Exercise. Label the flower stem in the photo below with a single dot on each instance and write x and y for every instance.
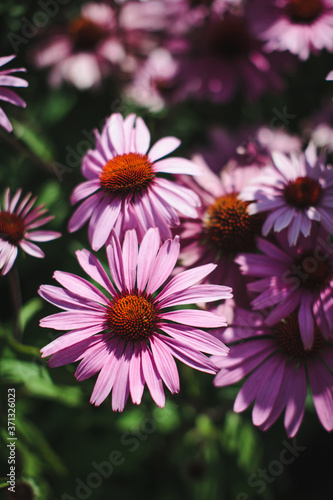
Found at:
(15, 291)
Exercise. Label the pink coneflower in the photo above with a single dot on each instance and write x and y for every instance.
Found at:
(125, 190)
(131, 335)
(278, 367)
(296, 190)
(224, 227)
(299, 26)
(85, 50)
(222, 56)
(6, 80)
(330, 76)
(17, 224)
(292, 277)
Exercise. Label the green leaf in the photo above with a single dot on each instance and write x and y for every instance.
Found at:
(28, 311)
(38, 382)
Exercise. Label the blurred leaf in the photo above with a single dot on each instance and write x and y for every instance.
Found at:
(34, 140)
(37, 381)
(28, 311)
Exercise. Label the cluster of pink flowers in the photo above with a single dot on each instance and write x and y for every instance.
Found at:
(163, 52)
(236, 240)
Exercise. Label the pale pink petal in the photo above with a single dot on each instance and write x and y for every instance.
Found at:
(176, 165)
(152, 376)
(66, 300)
(142, 136)
(120, 391)
(164, 263)
(296, 402)
(42, 235)
(91, 265)
(108, 213)
(115, 127)
(146, 258)
(196, 294)
(190, 357)
(184, 280)
(115, 259)
(84, 189)
(136, 378)
(130, 259)
(11, 256)
(165, 364)
(163, 147)
(107, 376)
(80, 286)
(69, 339)
(194, 317)
(31, 249)
(321, 381)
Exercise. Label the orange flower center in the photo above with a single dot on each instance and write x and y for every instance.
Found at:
(303, 192)
(289, 339)
(131, 317)
(127, 174)
(314, 273)
(304, 11)
(12, 227)
(86, 34)
(229, 227)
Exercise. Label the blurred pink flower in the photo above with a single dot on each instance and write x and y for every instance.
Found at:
(6, 80)
(221, 56)
(296, 191)
(224, 227)
(17, 224)
(84, 51)
(130, 336)
(299, 26)
(124, 189)
(291, 277)
(330, 76)
(277, 368)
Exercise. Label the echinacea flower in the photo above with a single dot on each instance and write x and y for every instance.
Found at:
(85, 50)
(296, 191)
(291, 278)
(17, 228)
(224, 228)
(131, 335)
(125, 189)
(278, 369)
(7, 95)
(299, 26)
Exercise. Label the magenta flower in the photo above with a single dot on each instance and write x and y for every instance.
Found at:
(131, 335)
(6, 80)
(224, 227)
(277, 368)
(221, 56)
(294, 277)
(16, 229)
(124, 188)
(299, 26)
(297, 192)
(85, 50)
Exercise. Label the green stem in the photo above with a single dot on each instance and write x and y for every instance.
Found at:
(15, 290)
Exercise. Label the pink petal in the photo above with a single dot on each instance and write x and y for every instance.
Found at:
(115, 127)
(142, 136)
(136, 378)
(305, 320)
(43, 235)
(163, 147)
(195, 339)
(83, 212)
(107, 376)
(165, 364)
(108, 213)
(31, 249)
(80, 286)
(11, 256)
(115, 259)
(193, 317)
(296, 402)
(91, 265)
(164, 263)
(177, 165)
(185, 280)
(120, 389)
(74, 320)
(152, 377)
(146, 258)
(130, 258)
(66, 300)
(321, 381)
(84, 189)
(196, 294)
(69, 339)
(190, 357)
